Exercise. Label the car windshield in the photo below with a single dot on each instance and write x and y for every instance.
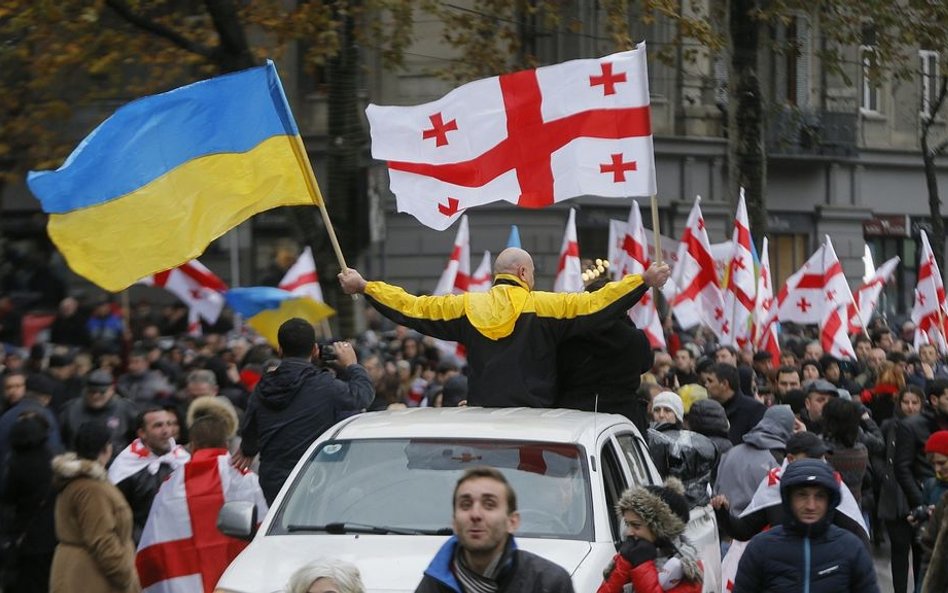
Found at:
(406, 485)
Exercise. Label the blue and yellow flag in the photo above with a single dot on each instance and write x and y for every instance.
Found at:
(265, 308)
(165, 175)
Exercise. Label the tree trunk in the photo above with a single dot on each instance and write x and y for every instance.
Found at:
(929, 154)
(747, 160)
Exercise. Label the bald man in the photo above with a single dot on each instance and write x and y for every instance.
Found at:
(511, 332)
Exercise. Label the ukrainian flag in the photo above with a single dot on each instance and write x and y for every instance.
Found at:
(165, 175)
(265, 308)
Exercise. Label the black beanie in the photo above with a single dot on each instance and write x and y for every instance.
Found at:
(674, 499)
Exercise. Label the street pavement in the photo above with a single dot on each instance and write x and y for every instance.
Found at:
(880, 558)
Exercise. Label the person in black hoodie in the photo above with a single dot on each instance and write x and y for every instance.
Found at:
(707, 417)
(296, 402)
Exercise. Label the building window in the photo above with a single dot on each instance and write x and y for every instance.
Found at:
(929, 71)
(795, 84)
(870, 86)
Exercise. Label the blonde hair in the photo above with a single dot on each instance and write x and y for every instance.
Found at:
(344, 574)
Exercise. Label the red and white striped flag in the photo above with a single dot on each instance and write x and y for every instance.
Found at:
(197, 287)
(695, 277)
(634, 259)
(765, 323)
(740, 288)
(930, 311)
(181, 550)
(867, 295)
(532, 138)
(569, 270)
(456, 277)
(301, 279)
(483, 276)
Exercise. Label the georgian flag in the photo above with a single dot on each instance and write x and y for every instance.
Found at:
(765, 324)
(814, 290)
(456, 277)
(867, 295)
(695, 277)
(531, 138)
(740, 284)
(197, 287)
(181, 550)
(301, 279)
(569, 272)
(633, 259)
(483, 276)
(137, 456)
(930, 312)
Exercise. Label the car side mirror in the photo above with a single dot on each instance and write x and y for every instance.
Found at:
(238, 519)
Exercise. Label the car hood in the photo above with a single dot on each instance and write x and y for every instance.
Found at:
(388, 563)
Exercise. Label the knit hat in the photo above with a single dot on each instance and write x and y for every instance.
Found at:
(671, 401)
(663, 509)
(937, 443)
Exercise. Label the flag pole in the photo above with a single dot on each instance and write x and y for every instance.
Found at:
(657, 240)
(300, 151)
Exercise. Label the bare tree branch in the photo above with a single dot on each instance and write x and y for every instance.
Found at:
(150, 26)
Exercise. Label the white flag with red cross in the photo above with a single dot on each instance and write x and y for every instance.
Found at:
(740, 285)
(695, 277)
(765, 324)
(867, 295)
(815, 289)
(197, 287)
(569, 270)
(301, 279)
(531, 138)
(483, 276)
(930, 311)
(456, 277)
(634, 259)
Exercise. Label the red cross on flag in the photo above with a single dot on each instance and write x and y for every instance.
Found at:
(867, 295)
(764, 329)
(633, 259)
(696, 279)
(301, 279)
(197, 287)
(569, 270)
(740, 285)
(456, 277)
(813, 290)
(181, 550)
(930, 311)
(531, 138)
(483, 276)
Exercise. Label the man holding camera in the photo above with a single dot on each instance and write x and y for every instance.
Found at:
(296, 402)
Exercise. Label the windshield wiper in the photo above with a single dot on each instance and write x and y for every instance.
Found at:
(348, 527)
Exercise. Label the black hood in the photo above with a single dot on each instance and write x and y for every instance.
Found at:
(708, 417)
(278, 387)
(808, 472)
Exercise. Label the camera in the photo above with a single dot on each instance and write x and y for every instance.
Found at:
(327, 352)
(919, 514)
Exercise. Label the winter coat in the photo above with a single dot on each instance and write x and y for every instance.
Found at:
(28, 490)
(934, 540)
(118, 414)
(911, 465)
(139, 489)
(708, 417)
(893, 505)
(744, 466)
(94, 526)
(644, 578)
(523, 572)
(687, 455)
(511, 332)
(851, 463)
(9, 418)
(794, 557)
(150, 387)
(743, 414)
(290, 407)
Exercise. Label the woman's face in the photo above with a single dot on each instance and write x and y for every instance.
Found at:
(636, 527)
(323, 585)
(810, 372)
(910, 404)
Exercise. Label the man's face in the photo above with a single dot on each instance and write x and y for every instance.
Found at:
(663, 415)
(683, 361)
(812, 352)
(14, 388)
(876, 358)
(940, 465)
(862, 350)
(724, 356)
(481, 520)
(717, 389)
(814, 403)
(97, 396)
(809, 503)
(137, 365)
(927, 353)
(788, 360)
(832, 373)
(885, 341)
(373, 367)
(198, 389)
(157, 431)
(940, 403)
(787, 381)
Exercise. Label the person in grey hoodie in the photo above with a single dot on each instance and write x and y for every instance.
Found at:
(295, 403)
(763, 449)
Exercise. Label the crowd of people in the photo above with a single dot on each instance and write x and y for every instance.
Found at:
(841, 454)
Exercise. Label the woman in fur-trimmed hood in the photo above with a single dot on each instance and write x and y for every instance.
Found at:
(655, 557)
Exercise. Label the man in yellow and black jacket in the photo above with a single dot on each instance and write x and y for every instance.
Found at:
(511, 332)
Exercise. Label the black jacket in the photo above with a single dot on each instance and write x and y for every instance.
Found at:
(290, 407)
(743, 413)
(139, 489)
(523, 572)
(511, 333)
(910, 464)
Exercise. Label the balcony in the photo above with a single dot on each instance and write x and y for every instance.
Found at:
(796, 132)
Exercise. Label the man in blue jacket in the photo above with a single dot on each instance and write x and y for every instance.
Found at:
(807, 553)
(296, 402)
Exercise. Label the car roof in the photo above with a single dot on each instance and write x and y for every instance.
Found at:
(523, 424)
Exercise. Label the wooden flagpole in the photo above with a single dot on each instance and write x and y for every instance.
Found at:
(300, 151)
(657, 240)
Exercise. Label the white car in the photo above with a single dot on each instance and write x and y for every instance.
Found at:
(376, 490)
